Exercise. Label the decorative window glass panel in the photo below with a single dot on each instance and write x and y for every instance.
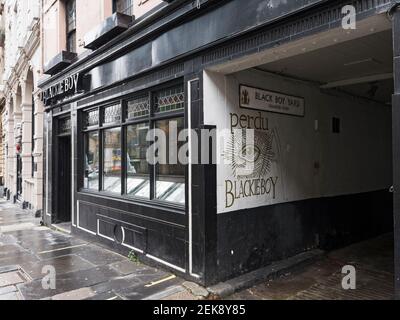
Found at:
(138, 108)
(92, 118)
(112, 114)
(91, 179)
(112, 160)
(137, 166)
(170, 177)
(172, 99)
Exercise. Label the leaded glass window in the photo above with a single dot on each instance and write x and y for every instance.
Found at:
(137, 108)
(171, 99)
(112, 114)
(92, 118)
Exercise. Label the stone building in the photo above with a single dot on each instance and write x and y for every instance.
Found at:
(23, 112)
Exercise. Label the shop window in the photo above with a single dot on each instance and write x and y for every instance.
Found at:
(112, 160)
(123, 6)
(137, 169)
(121, 130)
(92, 148)
(170, 177)
(71, 25)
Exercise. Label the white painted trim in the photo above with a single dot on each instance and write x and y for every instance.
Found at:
(102, 235)
(77, 223)
(166, 263)
(47, 169)
(73, 116)
(127, 245)
(190, 206)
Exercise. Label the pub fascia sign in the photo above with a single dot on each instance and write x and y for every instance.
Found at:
(270, 101)
(65, 87)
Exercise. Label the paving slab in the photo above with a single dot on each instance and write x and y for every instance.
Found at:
(9, 289)
(10, 278)
(143, 292)
(98, 255)
(84, 271)
(62, 265)
(128, 267)
(10, 296)
(68, 282)
(78, 294)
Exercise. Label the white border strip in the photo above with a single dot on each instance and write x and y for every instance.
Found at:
(127, 245)
(102, 235)
(47, 167)
(190, 206)
(166, 263)
(77, 223)
(73, 118)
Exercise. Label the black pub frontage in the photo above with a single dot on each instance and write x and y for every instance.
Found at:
(323, 102)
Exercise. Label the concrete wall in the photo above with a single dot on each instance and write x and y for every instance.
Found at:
(309, 160)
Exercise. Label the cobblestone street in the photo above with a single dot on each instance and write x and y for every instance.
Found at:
(83, 270)
(322, 280)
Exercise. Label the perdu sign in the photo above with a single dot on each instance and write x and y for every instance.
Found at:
(65, 87)
(258, 99)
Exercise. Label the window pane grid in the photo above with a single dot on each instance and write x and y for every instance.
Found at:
(124, 167)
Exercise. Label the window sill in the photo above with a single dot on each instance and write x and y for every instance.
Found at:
(181, 209)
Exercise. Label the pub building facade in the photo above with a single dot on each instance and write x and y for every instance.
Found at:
(318, 96)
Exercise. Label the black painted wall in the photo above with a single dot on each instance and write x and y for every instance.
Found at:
(261, 236)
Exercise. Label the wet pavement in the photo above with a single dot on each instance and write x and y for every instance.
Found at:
(84, 270)
(373, 261)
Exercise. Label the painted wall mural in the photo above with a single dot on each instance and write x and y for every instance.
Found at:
(251, 161)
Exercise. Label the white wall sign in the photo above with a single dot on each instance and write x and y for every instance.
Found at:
(258, 99)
